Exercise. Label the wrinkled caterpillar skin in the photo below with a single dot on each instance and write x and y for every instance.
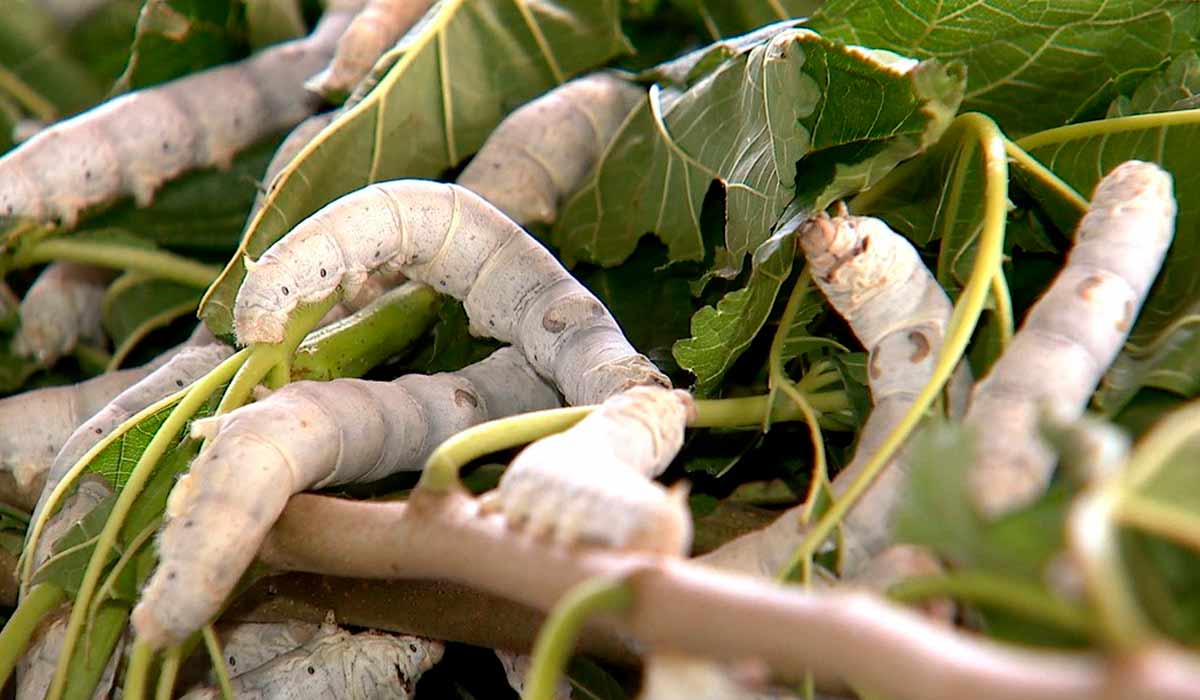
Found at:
(876, 280)
(545, 151)
(184, 367)
(375, 30)
(62, 308)
(366, 666)
(1071, 335)
(592, 482)
(248, 645)
(133, 144)
(453, 240)
(307, 435)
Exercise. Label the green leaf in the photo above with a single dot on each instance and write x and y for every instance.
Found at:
(450, 82)
(1068, 57)
(723, 18)
(273, 21)
(34, 50)
(102, 42)
(1174, 88)
(177, 37)
(1164, 348)
(591, 682)
(792, 116)
(136, 304)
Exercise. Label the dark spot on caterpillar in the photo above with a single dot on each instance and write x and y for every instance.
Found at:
(166, 146)
(491, 323)
(232, 661)
(87, 174)
(8, 209)
(921, 344)
(442, 282)
(170, 575)
(303, 424)
(285, 291)
(866, 243)
(464, 398)
(99, 431)
(311, 670)
(179, 382)
(323, 273)
(188, 523)
(412, 647)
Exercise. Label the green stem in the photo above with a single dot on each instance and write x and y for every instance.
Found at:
(999, 592)
(962, 322)
(1002, 302)
(385, 328)
(138, 672)
(15, 636)
(110, 581)
(87, 668)
(1106, 127)
(172, 660)
(1027, 163)
(220, 668)
(41, 108)
(1093, 541)
(557, 636)
(196, 396)
(159, 263)
(1163, 519)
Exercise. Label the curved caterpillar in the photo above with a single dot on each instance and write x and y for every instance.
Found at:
(876, 280)
(446, 236)
(61, 308)
(545, 151)
(1071, 335)
(307, 435)
(132, 144)
(376, 29)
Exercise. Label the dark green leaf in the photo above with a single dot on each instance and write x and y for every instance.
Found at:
(136, 304)
(177, 37)
(35, 51)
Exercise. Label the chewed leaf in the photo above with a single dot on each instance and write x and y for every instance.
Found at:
(789, 118)
(450, 82)
(1071, 58)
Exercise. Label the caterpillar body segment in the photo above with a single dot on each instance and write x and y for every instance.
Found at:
(376, 29)
(62, 308)
(132, 144)
(1071, 334)
(365, 666)
(545, 151)
(307, 435)
(450, 238)
(181, 369)
(876, 280)
(592, 483)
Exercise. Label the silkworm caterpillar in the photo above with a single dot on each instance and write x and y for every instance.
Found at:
(181, 369)
(450, 238)
(62, 308)
(364, 666)
(26, 455)
(1071, 334)
(876, 280)
(248, 645)
(376, 29)
(592, 482)
(132, 144)
(307, 435)
(528, 178)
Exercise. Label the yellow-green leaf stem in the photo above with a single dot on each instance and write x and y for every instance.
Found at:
(557, 636)
(1052, 182)
(138, 671)
(17, 632)
(200, 392)
(159, 263)
(220, 668)
(986, 135)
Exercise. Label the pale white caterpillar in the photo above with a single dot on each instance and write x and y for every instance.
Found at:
(132, 144)
(362, 666)
(450, 238)
(26, 455)
(62, 308)
(181, 369)
(1071, 335)
(375, 30)
(307, 435)
(876, 280)
(246, 646)
(545, 151)
(592, 482)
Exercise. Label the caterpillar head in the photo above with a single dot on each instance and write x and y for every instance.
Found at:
(264, 303)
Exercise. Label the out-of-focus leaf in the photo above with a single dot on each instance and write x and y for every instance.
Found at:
(1173, 89)
(102, 42)
(35, 51)
(273, 21)
(136, 304)
(177, 37)
(1164, 349)
(723, 18)
(591, 682)
(14, 370)
(1069, 57)
(760, 122)
(445, 87)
